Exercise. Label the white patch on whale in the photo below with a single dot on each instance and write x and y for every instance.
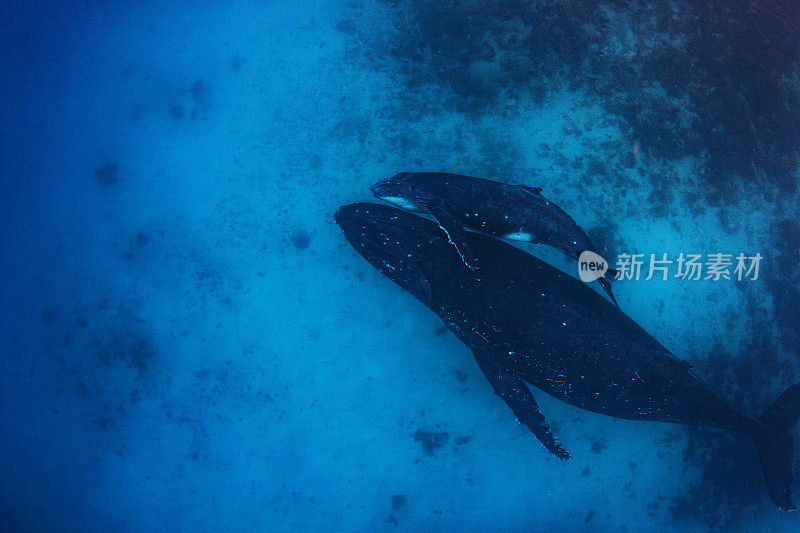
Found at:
(400, 202)
(519, 236)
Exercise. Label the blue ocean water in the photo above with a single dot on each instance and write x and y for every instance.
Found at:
(189, 343)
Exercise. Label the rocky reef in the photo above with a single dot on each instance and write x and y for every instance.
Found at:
(717, 81)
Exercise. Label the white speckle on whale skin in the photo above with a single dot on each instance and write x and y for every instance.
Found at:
(519, 236)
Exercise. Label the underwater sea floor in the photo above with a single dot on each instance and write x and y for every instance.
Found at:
(189, 342)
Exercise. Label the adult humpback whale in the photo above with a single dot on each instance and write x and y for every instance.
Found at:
(526, 321)
(515, 212)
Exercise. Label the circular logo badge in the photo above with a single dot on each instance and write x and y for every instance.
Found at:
(591, 266)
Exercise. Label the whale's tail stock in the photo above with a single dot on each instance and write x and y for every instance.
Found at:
(775, 445)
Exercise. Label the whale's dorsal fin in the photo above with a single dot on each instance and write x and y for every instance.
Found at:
(533, 190)
(516, 394)
(607, 287)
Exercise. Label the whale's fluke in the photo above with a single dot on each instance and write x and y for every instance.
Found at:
(775, 446)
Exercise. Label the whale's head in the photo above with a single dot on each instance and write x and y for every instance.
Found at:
(408, 249)
(402, 190)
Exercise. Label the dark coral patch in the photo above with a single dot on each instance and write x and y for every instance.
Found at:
(142, 239)
(399, 501)
(301, 240)
(430, 441)
(107, 174)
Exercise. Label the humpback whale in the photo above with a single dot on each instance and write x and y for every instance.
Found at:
(514, 212)
(527, 322)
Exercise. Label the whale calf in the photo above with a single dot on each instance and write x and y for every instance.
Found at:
(527, 322)
(514, 212)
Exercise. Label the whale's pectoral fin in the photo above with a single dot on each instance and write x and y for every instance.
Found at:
(456, 234)
(516, 394)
